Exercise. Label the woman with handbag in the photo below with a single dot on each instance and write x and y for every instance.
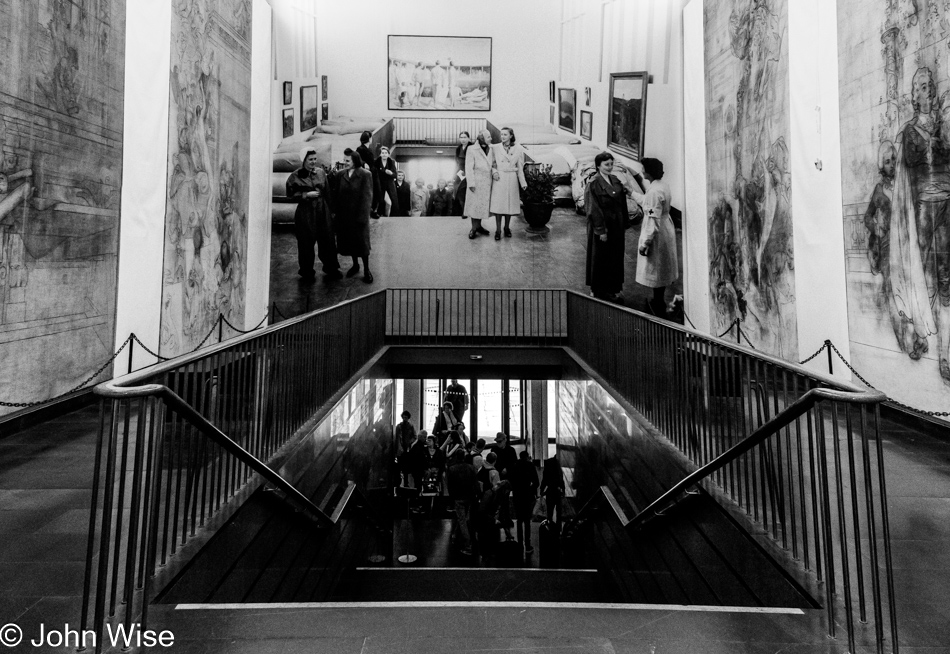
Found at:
(658, 266)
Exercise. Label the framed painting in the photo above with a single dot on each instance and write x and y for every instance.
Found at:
(551, 120)
(308, 107)
(288, 122)
(323, 87)
(324, 112)
(566, 101)
(587, 119)
(551, 90)
(627, 117)
(587, 96)
(288, 92)
(439, 73)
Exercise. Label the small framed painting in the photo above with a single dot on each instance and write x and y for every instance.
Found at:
(308, 107)
(587, 96)
(288, 122)
(325, 112)
(586, 124)
(551, 90)
(567, 100)
(323, 85)
(552, 115)
(288, 92)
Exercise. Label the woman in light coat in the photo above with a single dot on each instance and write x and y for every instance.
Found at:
(509, 178)
(658, 266)
(479, 160)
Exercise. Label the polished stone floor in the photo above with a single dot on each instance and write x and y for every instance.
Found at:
(435, 252)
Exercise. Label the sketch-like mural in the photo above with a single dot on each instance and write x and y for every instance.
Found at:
(206, 216)
(61, 117)
(751, 262)
(895, 153)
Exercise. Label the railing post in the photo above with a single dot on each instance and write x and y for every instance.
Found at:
(831, 367)
(131, 345)
(738, 331)
(220, 327)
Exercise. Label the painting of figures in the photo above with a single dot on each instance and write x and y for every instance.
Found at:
(440, 73)
(751, 259)
(206, 216)
(895, 156)
(61, 120)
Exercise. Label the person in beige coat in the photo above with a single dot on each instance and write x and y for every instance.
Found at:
(509, 178)
(658, 266)
(479, 160)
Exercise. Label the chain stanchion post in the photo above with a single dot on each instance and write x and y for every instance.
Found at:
(738, 331)
(220, 327)
(831, 367)
(131, 347)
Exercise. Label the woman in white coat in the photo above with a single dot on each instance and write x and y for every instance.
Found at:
(658, 266)
(509, 178)
(479, 159)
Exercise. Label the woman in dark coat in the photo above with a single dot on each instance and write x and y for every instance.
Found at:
(353, 200)
(607, 218)
(461, 185)
(370, 162)
(386, 173)
(312, 223)
(403, 195)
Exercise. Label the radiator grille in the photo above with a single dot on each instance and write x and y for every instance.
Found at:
(435, 131)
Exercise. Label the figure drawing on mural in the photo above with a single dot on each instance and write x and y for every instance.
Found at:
(206, 232)
(750, 221)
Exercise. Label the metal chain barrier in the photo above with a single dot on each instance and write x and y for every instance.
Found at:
(278, 311)
(820, 350)
(245, 331)
(147, 349)
(734, 323)
(686, 315)
(742, 334)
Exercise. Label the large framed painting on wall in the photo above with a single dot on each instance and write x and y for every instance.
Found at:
(308, 107)
(566, 101)
(440, 73)
(628, 104)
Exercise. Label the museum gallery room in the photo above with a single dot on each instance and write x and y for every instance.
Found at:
(615, 326)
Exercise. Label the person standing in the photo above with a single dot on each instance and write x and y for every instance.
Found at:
(419, 198)
(478, 175)
(312, 224)
(524, 487)
(458, 396)
(386, 173)
(369, 162)
(658, 266)
(403, 195)
(353, 202)
(506, 455)
(439, 86)
(405, 435)
(461, 185)
(508, 163)
(463, 491)
(440, 201)
(607, 218)
(452, 75)
(552, 487)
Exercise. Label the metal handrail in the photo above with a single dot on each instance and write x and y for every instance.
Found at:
(174, 401)
(797, 409)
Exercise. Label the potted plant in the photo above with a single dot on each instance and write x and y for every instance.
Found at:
(538, 197)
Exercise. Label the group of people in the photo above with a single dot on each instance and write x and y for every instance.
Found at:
(483, 483)
(607, 220)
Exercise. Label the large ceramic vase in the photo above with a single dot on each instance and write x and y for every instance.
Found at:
(537, 216)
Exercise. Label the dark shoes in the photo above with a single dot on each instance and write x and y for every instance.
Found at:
(368, 277)
(353, 271)
(483, 231)
(374, 215)
(472, 234)
(507, 233)
(497, 236)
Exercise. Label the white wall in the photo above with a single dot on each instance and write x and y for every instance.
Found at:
(352, 50)
(621, 36)
(294, 48)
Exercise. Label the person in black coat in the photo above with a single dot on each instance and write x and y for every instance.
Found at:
(607, 219)
(458, 203)
(312, 223)
(440, 201)
(403, 195)
(552, 487)
(370, 162)
(353, 199)
(524, 487)
(386, 172)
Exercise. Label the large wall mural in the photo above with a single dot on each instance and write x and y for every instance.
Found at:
(205, 261)
(61, 116)
(895, 153)
(751, 262)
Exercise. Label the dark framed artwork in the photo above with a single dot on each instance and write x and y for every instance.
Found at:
(587, 96)
(439, 73)
(627, 118)
(323, 86)
(552, 115)
(308, 107)
(587, 119)
(551, 90)
(566, 101)
(288, 122)
(288, 92)
(325, 112)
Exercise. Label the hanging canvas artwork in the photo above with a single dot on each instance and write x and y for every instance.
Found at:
(440, 73)
(895, 157)
(308, 107)
(206, 216)
(288, 121)
(751, 262)
(61, 124)
(566, 102)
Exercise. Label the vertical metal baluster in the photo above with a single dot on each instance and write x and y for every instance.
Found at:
(816, 515)
(828, 540)
(128, 586)
(842, 528)
(800, 462)
(872, 534)
(88, 591)
(855, 514)
(151, 534)
(105, 539)
(120, 506)
(151, 471)
(886, 530)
